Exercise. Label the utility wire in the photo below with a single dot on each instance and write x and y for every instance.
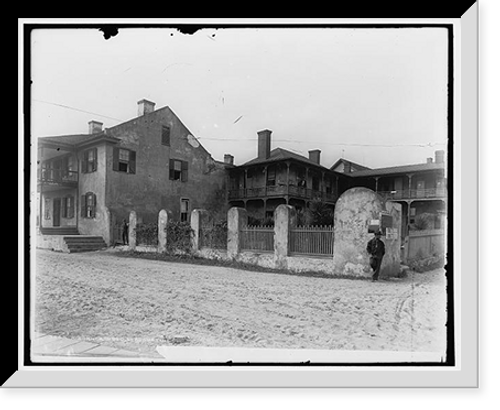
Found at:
(430, 144)
(77, 109)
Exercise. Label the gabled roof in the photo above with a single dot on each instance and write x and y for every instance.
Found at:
(346, 161)
(281, 154)
(74, 141)
(402, 169)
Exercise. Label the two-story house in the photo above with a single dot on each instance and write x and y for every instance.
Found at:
(88, 183)
(280, 176)
(420, 188)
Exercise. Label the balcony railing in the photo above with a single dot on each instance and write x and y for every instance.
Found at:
(430, 193)
(276, 191)
(56, 176)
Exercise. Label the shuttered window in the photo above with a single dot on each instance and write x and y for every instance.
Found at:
(124, 160)
(89, 162)
(68, 207)
(165, 135)
(88, 205)
(178, 170)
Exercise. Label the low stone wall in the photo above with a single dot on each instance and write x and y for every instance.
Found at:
(51, 242)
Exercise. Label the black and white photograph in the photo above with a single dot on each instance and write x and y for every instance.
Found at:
(242, 195)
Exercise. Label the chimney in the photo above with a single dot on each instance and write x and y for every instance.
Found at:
(429, 160)
(439, 156)
(264, 144)
(347, 168)
(95, 127)
(229, 159)
(145, 107)
(314, 155)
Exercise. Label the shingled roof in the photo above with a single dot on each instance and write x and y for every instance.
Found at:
(280, 154)
(403, 169)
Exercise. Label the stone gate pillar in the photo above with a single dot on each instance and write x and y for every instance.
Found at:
(285, 218)
(162, 232)
(355, 211)
(198, 216)
(132, 225)
(237, 218)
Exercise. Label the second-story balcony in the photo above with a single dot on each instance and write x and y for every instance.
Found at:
(277, 191)
(55, 177)
(411, 194)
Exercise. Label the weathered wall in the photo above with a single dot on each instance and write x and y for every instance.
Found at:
(94, 182)
(150, 189)
(354, 211)
(48, 206)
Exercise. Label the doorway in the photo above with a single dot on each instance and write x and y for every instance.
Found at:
(56, 212)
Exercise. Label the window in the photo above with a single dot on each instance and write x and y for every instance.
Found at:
(271, 176)
(165, 135)
(178, 170)
(68, 207)
(88, 205)
(47, 209)
(124, 160)
(184, 210)
(89, 163)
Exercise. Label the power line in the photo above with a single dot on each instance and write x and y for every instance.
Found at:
(430, 144)
(77, 109)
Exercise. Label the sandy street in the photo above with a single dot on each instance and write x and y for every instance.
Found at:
(139, 304)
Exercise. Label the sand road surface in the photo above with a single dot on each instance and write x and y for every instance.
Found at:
(138, 304)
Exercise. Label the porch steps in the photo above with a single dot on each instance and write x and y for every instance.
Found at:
(84, 243)
(71, 230)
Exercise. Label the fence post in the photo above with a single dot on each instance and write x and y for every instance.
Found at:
(162, 231)
(197, 218)
(132, 224)
(236, 219)
(285, 218)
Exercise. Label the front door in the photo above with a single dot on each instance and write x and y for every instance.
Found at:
(56, 212)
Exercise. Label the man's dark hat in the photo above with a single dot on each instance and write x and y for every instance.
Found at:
(378, 233)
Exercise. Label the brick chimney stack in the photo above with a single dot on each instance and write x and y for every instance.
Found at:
(228, 159)
(264, 144)
(145, 107)
(95, 127)
(315, 155)
(439, 156)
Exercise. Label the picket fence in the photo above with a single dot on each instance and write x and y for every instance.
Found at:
(257, 238)
(311, 240)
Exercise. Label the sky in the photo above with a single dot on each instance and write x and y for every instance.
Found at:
(377, 97)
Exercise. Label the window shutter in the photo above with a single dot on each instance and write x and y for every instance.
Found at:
(71, 211)
(83, 206)
(165, 135)
(184, 171)
(116, 155)
(94, 164)
(85, 161)
(171, 170)
(94, 205)
(131, 162)
(64, 206)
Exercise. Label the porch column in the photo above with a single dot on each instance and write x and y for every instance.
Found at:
(376, 183)
(265, 180)
(409, 184)
(322, 186)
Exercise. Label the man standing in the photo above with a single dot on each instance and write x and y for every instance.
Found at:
(376, 249)
(125, 232)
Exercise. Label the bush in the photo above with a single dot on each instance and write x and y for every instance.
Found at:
(179, 236)
(147, 233)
